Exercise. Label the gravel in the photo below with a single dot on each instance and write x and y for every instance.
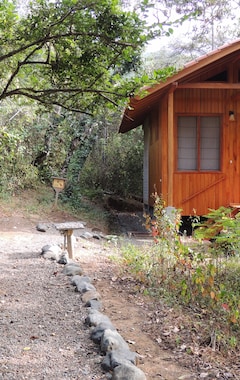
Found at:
(43, 334)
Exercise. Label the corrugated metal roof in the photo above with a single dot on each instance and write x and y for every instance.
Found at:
(138, 107)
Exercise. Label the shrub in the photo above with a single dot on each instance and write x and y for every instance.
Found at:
(198, 273)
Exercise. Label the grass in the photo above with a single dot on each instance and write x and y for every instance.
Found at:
(29, 201)
(41, 201)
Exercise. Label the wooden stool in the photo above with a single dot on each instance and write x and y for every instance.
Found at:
(66, 229)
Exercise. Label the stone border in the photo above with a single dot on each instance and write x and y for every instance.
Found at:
(119, 361)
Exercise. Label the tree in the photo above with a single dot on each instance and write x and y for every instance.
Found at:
(68, 53)
(215, 24)
(207, 25)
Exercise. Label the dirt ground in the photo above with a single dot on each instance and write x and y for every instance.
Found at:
(43, 335)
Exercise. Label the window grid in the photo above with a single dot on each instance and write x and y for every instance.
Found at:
(198, 140)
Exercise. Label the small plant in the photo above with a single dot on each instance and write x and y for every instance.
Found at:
(164, 224)
(222, 230)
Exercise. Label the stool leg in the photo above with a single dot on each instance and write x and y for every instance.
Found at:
(65, 240)
(69, 244)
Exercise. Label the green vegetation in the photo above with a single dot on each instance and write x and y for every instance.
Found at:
(115, 164)
(66, 74)
(196, 273)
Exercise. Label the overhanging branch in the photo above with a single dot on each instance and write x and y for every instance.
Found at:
(51, 91)
(49, 38)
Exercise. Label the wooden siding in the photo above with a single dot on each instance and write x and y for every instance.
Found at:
(197, 191)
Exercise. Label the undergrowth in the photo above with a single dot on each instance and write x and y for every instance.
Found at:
(194, 272)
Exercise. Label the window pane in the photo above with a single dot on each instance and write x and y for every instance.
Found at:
(187, 143)
(210, 143)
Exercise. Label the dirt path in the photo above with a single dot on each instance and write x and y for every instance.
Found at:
(43, 335)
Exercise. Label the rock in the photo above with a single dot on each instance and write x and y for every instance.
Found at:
(96, 236)
(51, 252)
(82, 285)
(97, 332)
(77, 278)
(90, 295)
(118, 357)
(42, 227)
(63, 258)
(95, 317)
(45, 248)
(94, 304)
(86, 287)
(72, 269)
(128, 372)
(112, 340)
(86, 235)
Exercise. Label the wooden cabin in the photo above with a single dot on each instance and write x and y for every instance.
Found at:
(191, 126)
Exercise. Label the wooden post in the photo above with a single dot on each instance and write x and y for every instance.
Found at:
(170, 157)
(58, 184)
(70, 247)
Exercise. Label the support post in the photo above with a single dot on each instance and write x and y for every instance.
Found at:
(70, 248)
(170, 146)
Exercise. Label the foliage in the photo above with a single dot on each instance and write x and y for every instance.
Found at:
(69, 145)
(188, 272)
(64, 142)
(208, 24)
(74, 56)
(115, 164)
(76, 49)
(222, 229)
(16, 171)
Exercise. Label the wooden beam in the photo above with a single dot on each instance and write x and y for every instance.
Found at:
(170, 146)
(210, 86)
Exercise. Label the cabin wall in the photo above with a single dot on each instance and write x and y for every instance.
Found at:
(196, 192)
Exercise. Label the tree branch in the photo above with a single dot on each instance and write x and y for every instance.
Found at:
(52, 91)
(15, 72)
(50, 38)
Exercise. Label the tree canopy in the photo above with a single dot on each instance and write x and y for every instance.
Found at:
(68, 53)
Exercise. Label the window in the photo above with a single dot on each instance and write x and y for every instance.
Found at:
(198, 143)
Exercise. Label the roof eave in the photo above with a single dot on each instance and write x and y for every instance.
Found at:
(134, 114)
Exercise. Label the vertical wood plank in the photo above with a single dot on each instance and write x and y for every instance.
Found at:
(170, 147)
